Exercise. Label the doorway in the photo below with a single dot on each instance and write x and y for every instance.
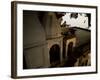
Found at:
(54, 55)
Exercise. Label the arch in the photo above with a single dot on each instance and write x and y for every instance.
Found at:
(54, 55)
(70, 57)
(70, 49)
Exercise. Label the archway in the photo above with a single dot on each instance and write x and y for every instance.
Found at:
(70, 49)
(54, 55)
(70, 60)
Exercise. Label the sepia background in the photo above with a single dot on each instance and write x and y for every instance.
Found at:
(5, 40)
